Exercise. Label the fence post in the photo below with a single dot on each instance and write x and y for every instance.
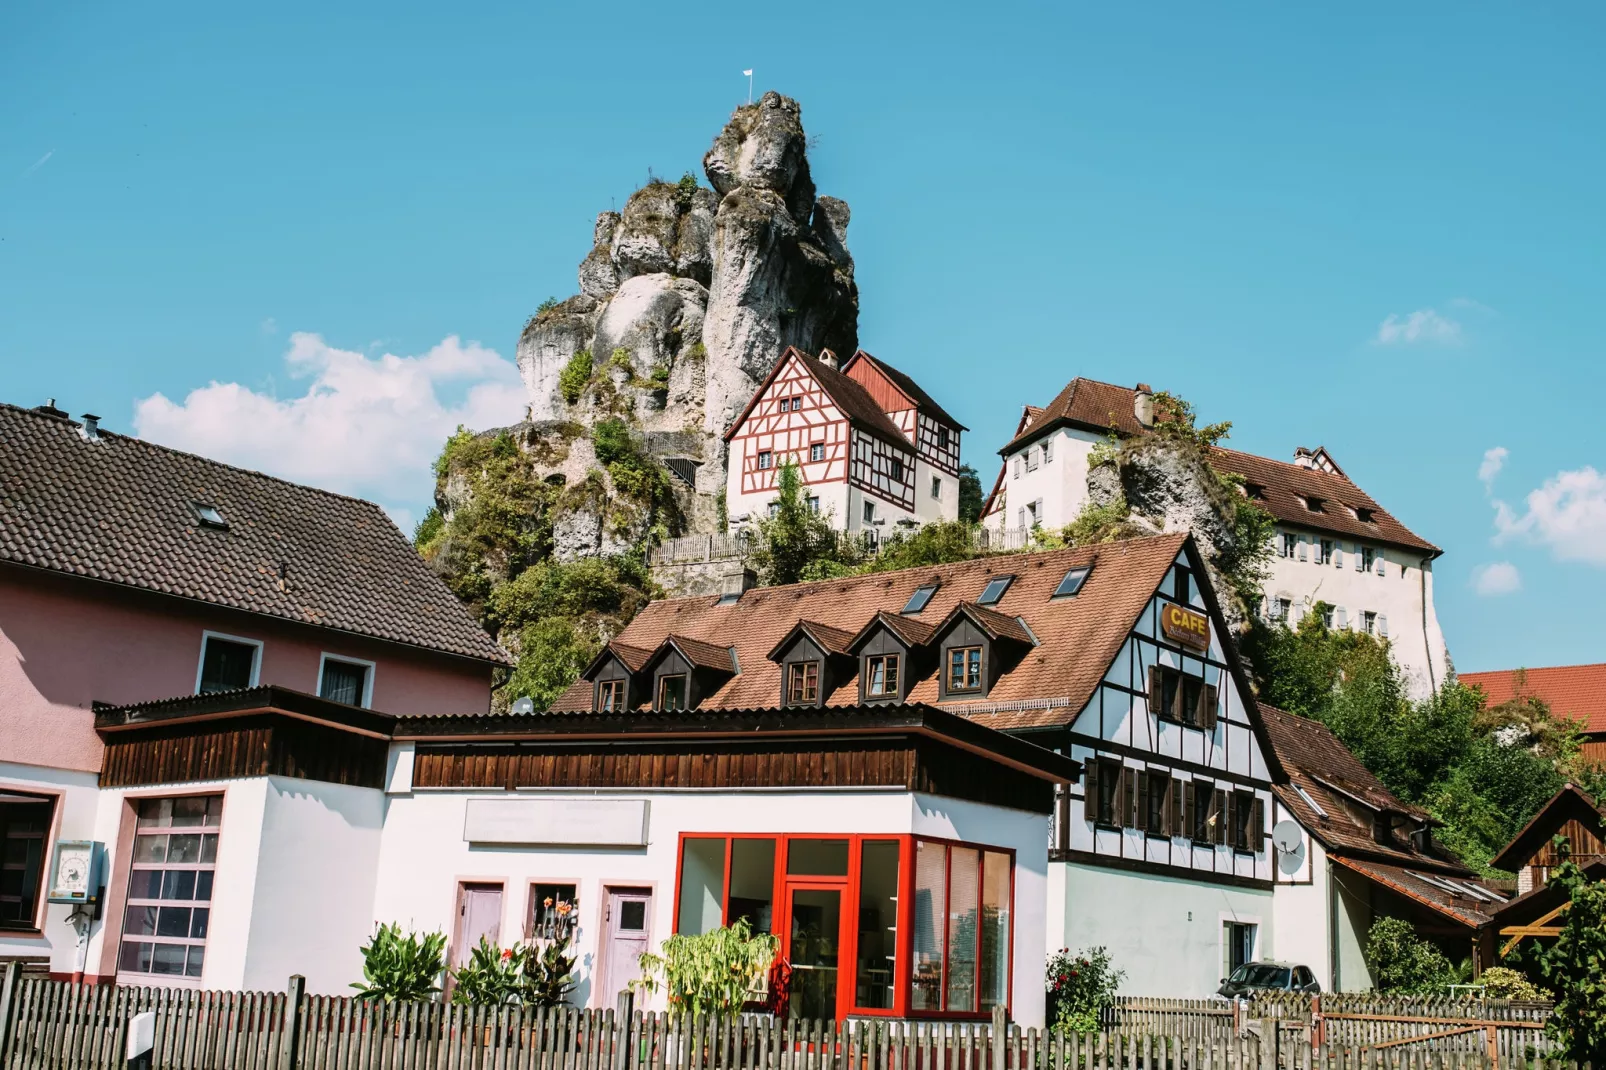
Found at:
(621, 1051)
(998, 1038)
(292, 1022)
(8, 1003)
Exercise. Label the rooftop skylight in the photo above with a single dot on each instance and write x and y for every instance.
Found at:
(208, 515)
(1072, 582)
(917, 600)
(994, 590)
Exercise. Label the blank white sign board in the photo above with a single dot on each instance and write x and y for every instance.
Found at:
(557, 822)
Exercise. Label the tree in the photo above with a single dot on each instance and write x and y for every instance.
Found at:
(793, 537)
(1404, 962)
(971, 498)
(1575, 965)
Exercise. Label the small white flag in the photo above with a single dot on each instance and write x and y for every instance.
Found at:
(747, 74)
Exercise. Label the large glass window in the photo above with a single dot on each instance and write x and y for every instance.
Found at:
(344, 681)
(964, 899)
(170, 888)
(702, 886)
(752, 884)
(816, 858)
(963, 894)
(878, 924)
(226, 664)
(931, 901)
(996, 896)
(24, 824)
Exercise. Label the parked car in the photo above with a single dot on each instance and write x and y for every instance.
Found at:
(1254, 977)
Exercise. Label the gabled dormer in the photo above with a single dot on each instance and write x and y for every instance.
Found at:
(893, 652)
(814, 660)
(615, 677)
(684, 671)
(974, 646)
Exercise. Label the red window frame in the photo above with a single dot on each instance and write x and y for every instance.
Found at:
(902, 979)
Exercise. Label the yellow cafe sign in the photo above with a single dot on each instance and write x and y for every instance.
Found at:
(1185, 626)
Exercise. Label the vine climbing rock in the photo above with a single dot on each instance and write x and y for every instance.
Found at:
(687, 297)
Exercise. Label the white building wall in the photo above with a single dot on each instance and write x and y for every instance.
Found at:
(75, 819)
(1167, 933)
(1060, 483)
(943, 507)
(1302, 909)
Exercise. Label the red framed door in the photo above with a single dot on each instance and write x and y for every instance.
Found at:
(815, 945)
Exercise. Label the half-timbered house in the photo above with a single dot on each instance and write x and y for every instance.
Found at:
(873, 450)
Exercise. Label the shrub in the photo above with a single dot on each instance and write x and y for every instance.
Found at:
(397, 967)
(1080, 986)
(933, 544)
(536, 974)
(611, 439)
(1500, 982)
(685, 190)
(575, 375)
(1575, 965)
(1401, 961)
(546, 306)
(712, 974)
(429, 531)
(552, 654)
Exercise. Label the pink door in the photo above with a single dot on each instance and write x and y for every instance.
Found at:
(629, 911)
(479, 914)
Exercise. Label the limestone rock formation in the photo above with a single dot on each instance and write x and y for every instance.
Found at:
(686, 299)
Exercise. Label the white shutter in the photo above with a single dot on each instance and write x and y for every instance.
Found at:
(1302, 548)
(1380, 562)
(1017, 466)
(1338, 554)
(1383, 625)
(1360, 558)
(1340, 619)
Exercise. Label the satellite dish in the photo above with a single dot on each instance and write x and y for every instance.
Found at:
(1289, 839)
(1291, 862)
(524, 704)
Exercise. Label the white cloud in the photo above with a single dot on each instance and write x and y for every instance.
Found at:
(1496, 578)
(1566, 514)
(366, 426)
(1424, 326)
(1493, 460)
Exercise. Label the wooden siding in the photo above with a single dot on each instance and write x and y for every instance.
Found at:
(244, 747)
(911, 764)
(1585, 846)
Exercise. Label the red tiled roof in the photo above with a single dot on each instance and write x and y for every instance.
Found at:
(118, 510)
(1078, 637)
(1285, 487)
(911, 388)
(911, 631)
(996, 625)
(853, 399)
(1577, 692)
(831, 640)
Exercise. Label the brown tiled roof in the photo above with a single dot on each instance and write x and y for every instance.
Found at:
(1085, 403)
(830, 640)
(1285, 487)
(995, 624)
(911, 388)
(911, 631)
(1317, 762)
(1577, 692)
(703, 655)
(1048, 686)
(854, 400)
(118, 510)
(1462, 905)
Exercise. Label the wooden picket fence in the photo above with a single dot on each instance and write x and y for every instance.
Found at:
(51, 1025)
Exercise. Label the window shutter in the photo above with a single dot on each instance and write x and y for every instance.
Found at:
(1205, 715)
(1090, 788)
(1141, 818)
(1380, 562)
(1341, 618)
(1383, 625)
(1123, 798)
(1176, 822)
(1156, 692)
(1257, 825)
(1360, 559)
(1218, 810)
(1338, 554)
(1302, 544)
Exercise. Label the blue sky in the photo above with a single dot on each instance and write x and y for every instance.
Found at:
(1377, 228)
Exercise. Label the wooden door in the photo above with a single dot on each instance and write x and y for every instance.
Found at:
(627, 930)
(479, 914)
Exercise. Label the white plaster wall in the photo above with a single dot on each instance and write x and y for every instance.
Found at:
(1351, 896)
(1165, 932)
(312, 904)
(928, 508)
(885, 511)
(1302, 910)
(75, 819)
(423, 857)
(1061, 483)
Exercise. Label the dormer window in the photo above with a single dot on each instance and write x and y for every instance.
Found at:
(921, 596)
(1255, 492)
(964, 669)
(994, 590)
(671, 692)
(611, 696)
(1315, 504)
(802, 683)
(1365, 515)
(881, 676)
(1072, 582)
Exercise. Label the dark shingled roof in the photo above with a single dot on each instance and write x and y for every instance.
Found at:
(118, 510)
(913, 389)
(1085, 403)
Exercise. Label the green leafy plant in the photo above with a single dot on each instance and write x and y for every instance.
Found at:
(1575, 965)
(536, 974)
(1502, 982)
(401, 967)
(711, 974)
(793, 536)
(575, 375)
(1080, 987)
(1403, 962)
(971, 497)
(686, 190)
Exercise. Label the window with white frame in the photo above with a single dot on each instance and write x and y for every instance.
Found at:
(936, 487)
(170, 877)
(764, 458)
(228, 663)
(346, 680)
(816, 451)
(1290, 544)
(869, 512)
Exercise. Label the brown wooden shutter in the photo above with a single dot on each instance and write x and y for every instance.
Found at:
(1257, 825)
(1176, 821)
(1205, 715)
(1123, 798)
(1156, 693)
(1221, 806)
(1090, 788)
(1141, 817)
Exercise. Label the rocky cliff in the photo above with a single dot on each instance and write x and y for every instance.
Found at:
(686, 299)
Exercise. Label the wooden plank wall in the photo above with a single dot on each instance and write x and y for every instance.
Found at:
(243, 747)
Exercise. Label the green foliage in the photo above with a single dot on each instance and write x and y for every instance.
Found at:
(1403, 962)
(552, 654)
(971, 498)
(658, 378)
(620, 359)
(936, 543)
(1080, 986)
(1499, 982)
(397, 967)
(1575, 965)
(575, 375)
(429, 531)
(685, 190)
(637, 477)
(793, 538)
(536, 974)
(1094, 524)
(461, 441)
(611, 439)
(1174, 418)
(546, 306)
(713, 974)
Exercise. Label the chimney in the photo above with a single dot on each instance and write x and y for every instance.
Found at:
(49, 409)
(1304, 457)
(1143, 405)
(735, 583)
(91, 428)
(828, 358)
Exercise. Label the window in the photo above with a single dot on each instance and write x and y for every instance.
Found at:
(1102, 792)
(1368, 559)
(208, 515)
(1369, 622)
(1278, 609)
(881, 676)
(814, 504)
(1255, 492)
(1290, 544)
(1072, 582)
(961, 928)
(774, 509)
(895, 468)
(24, 824)
(964, 668)
(611, 696)
(816, 451)
(994, 590)
(943, 437)
(797, 403)
(802, 682)
(1327, 617)
(1182, 697)
(1365, 515)
(1156, 797)
(764, 458)
(672, 691)
(1310, 802)
(936, 487)
(1245, 820)
(869, 512)
(1238, 948)
(878, 925)
(227, 663)
(921, 596)
(554, 909)
(1179, 585)
(1316, 505)
(347, 681)
(1202, 815)
(1048, 450)
(1031, 459)
(1325, 556)
(170, 889)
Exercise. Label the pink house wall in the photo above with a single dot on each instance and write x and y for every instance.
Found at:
(65, 644)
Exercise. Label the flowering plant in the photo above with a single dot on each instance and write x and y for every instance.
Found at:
(1080, 986)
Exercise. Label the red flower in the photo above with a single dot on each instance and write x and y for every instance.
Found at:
(507, 953)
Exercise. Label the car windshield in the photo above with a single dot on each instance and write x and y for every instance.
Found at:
(1259, 975)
